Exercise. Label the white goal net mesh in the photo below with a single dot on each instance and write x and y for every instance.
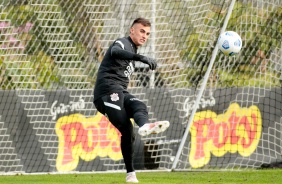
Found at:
(50, 51)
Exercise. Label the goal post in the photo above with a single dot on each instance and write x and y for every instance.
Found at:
(201, 90)
(224, 112)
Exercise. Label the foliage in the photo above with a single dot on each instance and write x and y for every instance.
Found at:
(39, 48)
(62, 44)
(262, 36)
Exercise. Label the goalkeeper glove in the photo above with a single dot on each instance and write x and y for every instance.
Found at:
(149, 61)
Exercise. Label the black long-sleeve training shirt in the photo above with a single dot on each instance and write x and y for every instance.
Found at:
(116, 67)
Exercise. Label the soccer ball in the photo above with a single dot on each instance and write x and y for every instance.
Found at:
(229, 43)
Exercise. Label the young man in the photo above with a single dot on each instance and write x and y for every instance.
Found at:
(112, 99)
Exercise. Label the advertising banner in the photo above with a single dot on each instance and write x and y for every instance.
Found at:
(61, 131)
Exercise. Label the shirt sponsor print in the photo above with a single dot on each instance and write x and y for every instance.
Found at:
(129, 70)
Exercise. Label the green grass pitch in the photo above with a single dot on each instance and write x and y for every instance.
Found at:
(271, 176)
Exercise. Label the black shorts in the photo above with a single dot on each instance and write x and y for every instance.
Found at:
(121, 107)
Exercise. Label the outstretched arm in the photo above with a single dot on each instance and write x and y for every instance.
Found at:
(118, 52)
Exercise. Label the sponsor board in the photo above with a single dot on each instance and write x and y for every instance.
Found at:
(237, 130)
(86, 139)
(72, 136)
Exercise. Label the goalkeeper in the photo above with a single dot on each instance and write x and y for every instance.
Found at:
(111, 97)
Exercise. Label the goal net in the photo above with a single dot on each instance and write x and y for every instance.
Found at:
(225, 112)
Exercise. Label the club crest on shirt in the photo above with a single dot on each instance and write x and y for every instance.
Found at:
(114, 97)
